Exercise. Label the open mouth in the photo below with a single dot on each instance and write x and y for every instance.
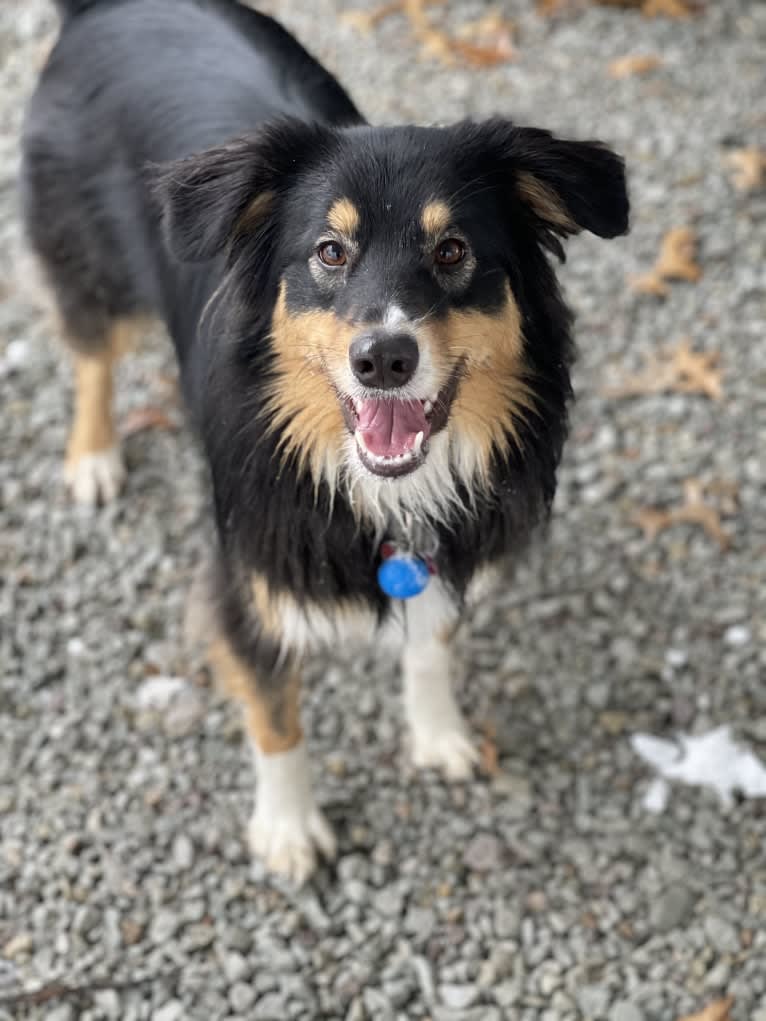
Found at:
(392, 434)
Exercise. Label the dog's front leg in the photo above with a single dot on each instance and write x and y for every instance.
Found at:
(440, 736)
(287, 827)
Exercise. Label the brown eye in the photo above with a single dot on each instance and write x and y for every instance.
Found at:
(450, 252)
(331, 254)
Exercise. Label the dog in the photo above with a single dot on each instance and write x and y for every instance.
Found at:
(373, 347)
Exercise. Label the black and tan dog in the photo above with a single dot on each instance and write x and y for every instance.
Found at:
(373, 346)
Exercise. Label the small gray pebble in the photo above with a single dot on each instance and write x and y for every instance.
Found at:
(424, 975)
(484, 853)
(593, 1001)
(356, 891)
(237, 939)
(164, 925)
(236, 966)
(108, 1001)
(173, 1010)
(199, 936)
(475, 1014)
(458, 996)
(420, 922)
(721, 935)
(389, 901)
(507, 920)
(64, 1012)
(377, 1005)
(85, 920)
(183, 851)
(672, 908)
(508, 993)
(356, 1011)
(625, 1011)
(242, 996)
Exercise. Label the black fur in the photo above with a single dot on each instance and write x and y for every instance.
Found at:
(136, 83)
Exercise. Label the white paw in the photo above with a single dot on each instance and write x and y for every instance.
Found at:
(289, 844)
(450, 751)
(287, 829)
(96, 478)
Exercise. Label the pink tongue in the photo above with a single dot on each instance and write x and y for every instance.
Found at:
(389, 428)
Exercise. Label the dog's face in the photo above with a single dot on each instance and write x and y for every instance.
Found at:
(401, 263)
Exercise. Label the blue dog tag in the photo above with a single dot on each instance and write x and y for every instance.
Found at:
(403, 575)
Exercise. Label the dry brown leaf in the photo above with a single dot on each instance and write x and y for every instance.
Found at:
(677, 255)
(678, 369)
(482, 43)
(693, 511)
(718, 1010)
(650, 283)
(149, 417)
(749, 168)
(649, 8)
(639, 63)
(676, 261)
(365, 21)
(487, 41)
(488, 752)
(550, 7)
(669, 8)
(489, 757)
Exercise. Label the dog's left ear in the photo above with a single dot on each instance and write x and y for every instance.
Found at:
(567, 186)
(207, 201)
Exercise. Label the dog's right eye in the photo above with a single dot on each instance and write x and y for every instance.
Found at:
(331, 254)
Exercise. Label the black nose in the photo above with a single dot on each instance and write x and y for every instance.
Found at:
(384, 360)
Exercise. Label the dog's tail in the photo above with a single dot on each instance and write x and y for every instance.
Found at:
(68, 8)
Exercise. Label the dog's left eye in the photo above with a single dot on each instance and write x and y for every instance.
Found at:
(331, 254)
(449, 252)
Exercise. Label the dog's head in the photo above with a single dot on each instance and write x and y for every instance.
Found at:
(414, 319)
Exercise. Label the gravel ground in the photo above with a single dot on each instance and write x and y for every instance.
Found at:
(548, 893)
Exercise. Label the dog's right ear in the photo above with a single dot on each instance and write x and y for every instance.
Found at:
(209, 199)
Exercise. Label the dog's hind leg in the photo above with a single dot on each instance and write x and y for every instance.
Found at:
(287, 828)
(83, 234)
(440, 736)
(94, 469)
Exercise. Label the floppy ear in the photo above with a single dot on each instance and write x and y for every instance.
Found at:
(570, 186)
(567, 186)
(207, 200)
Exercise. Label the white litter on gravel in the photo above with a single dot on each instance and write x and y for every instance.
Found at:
(713, 760)
(158, 692)
(15, 355)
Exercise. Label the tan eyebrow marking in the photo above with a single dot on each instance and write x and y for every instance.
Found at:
(436, 217)
(343, 216)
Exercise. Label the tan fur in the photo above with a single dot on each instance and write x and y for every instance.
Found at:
(343, 217)
(492, 395)
(272, 719)
(545, 202)
(435, 218)
(302, 402)
(93, 428)
(266, 607)
(300, 626)
(312, 349)
(255, 212)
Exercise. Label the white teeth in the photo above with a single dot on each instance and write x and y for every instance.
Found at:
(408, 455)
(427, 407)
(358, 406)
